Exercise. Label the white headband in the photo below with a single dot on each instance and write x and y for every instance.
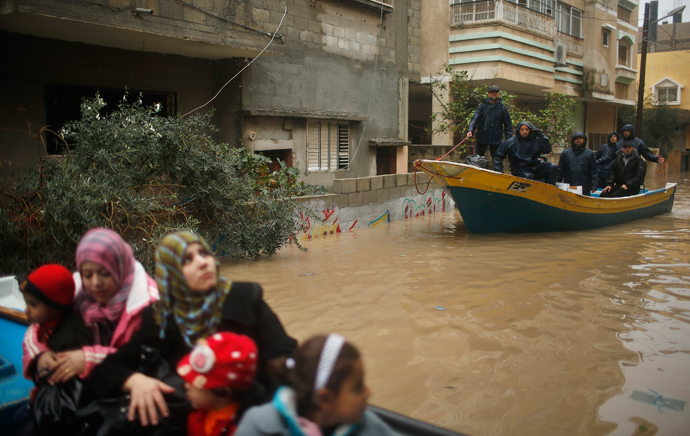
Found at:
(329, 355)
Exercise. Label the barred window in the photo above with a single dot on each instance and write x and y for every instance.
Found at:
(328, 145)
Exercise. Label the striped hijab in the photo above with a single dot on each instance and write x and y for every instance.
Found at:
(105, 247)
(197, 314)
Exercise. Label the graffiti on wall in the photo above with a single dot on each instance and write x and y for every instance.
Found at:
(430, 203)
(329, 221)
(327, 224)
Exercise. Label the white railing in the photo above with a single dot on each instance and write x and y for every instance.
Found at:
(502, 11)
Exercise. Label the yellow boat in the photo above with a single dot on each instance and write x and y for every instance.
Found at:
(492, 202)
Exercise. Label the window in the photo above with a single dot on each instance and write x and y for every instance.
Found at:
(667, 91)
(328, 145)
(606, 35)
(623, 54)
(569, 20)
(63, 104)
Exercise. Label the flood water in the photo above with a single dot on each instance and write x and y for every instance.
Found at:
(554, 334)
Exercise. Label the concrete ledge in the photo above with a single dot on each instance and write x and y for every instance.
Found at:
(376, 182)
(364, 184)
(368, 197)
(355, 199)
(389, 180)
(401, 180)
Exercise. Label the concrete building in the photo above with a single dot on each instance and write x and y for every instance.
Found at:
(584, 49)
(325, 89)
(667, 79)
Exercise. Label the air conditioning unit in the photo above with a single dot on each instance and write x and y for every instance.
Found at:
(559, 54)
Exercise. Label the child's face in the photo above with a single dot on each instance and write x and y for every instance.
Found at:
(98, 282)
(203, 399)
(352, 397)
(38, 312)
(199, 268)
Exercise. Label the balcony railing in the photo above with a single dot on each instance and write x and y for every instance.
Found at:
(502, 11)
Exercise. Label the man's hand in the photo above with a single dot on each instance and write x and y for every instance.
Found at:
(606, 189)
(469, 135)
(625, 187)
(661, 159)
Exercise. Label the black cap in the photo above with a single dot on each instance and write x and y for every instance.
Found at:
(493, 88)
(627, 144)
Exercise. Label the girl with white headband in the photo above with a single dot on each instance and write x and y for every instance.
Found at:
(326, 395)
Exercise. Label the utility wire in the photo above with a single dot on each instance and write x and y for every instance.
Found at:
(244, 68)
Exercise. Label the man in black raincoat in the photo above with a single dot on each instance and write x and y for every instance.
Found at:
(491, 120)
(605, 157)
(640, 147)
(627, 173)
(524, 152)
(576, 165)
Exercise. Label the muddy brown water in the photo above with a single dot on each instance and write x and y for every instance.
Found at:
(584, 333)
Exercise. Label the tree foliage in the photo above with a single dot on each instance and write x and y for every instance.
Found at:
(145, 175)
(660, 124)
(463, 99)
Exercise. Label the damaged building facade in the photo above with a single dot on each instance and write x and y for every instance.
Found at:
(324, 88)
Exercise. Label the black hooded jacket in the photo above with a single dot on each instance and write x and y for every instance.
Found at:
(638, 144)
(631, 175)
(605, 157)
(577, 167)
(523, 153)
(491, 121)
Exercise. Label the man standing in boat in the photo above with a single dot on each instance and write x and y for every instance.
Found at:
(640, 147)
(491, 120)
(524, 152)
(627, 173)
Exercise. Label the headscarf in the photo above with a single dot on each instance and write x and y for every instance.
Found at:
(106, 248)
(197, 314)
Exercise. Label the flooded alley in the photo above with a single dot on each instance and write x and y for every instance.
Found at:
(559, 333)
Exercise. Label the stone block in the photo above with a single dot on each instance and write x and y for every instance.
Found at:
(376, 182)
(261, 15)
(364, 184)
(355, 199)
(341, 200)
(389, 181)
(396, 192)
(383, 195)
(401, 179)
(345, 186)
(369, 197)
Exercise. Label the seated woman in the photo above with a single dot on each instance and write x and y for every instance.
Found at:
(195, 303)
(112, 289)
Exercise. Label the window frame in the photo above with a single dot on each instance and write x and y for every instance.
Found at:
(667, 84)
(328, 145)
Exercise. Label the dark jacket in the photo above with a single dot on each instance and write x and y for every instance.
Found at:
(522, 153)
(577, 167)
(631, 175)
(604, 157)
(491, 121)
(244, 312)
(638, 144)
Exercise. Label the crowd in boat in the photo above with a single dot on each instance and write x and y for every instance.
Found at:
(115, 351)
(617, 168)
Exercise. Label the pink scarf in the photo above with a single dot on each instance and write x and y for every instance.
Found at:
(106, 248)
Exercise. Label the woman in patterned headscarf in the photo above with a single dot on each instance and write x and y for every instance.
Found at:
(112, 289)
(195, 303)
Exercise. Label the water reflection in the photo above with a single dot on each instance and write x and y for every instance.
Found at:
(503, 334)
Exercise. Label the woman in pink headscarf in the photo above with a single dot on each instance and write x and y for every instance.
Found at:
(112, 289)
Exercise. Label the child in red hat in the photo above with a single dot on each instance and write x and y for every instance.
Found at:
(219, 375)
(55, 327)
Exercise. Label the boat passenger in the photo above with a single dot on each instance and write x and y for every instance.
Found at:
(627, 175)
(605, 157)
(325, 395)
(641, 148)
(576, 165)
(524, 152)
(195, 303)
(491, 121)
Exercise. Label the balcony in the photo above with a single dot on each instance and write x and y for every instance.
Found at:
(500, 11)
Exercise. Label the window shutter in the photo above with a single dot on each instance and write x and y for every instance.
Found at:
(343, 145)
(313, 141)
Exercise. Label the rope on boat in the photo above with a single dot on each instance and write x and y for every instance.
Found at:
(415, 182)
(451, 150)
(661, 169)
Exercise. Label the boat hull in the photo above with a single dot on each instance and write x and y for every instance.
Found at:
(490, 202)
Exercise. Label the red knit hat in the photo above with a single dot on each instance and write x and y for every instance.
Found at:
(52, 285)
(223, 360)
